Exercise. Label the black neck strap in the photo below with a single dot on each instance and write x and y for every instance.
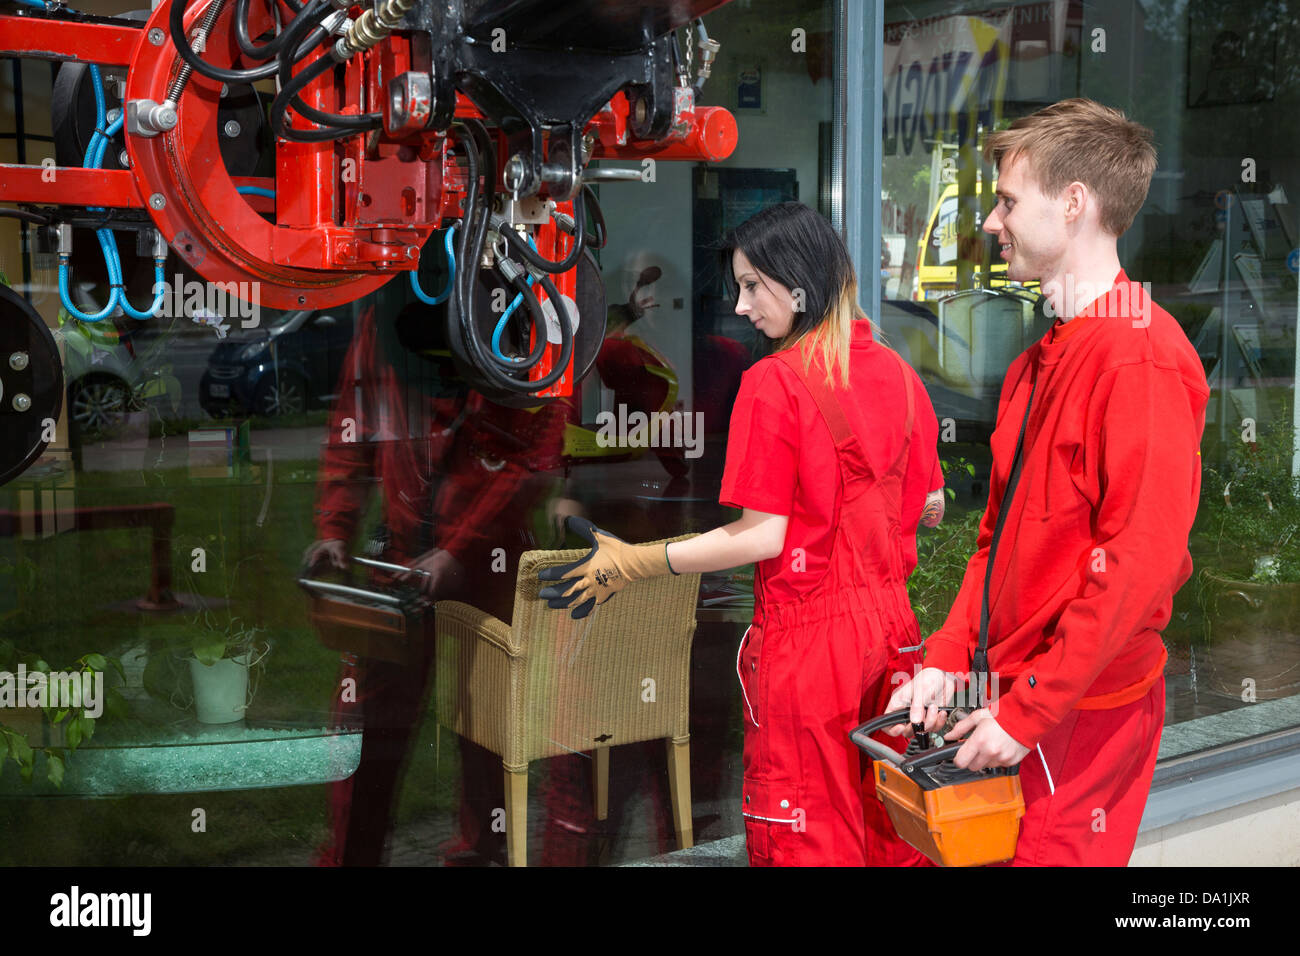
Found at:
(980, 662)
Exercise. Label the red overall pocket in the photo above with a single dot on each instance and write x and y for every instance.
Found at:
(775, 822)
(750, 672)
(771, 799)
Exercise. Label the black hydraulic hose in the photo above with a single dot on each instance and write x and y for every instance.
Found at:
(25, 216)
(470, 223)
(280, 106)
(597, 217)
(566, 337)
(468, 267)
(528, 254)
(484, 361)
(334, 123)
(473, 240)
(176, 24)
(487, 148)
(534, 306)
(249, 48)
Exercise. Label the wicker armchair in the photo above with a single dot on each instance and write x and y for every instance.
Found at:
(550, 685)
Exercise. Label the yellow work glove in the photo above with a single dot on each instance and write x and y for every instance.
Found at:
(610, 566)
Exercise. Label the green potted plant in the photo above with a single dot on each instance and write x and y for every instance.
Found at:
(217, 653)
(224, 665)
(1250, 595)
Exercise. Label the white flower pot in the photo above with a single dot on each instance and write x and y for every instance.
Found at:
(220, 689)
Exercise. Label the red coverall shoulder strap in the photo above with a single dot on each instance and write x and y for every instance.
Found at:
(828, 402)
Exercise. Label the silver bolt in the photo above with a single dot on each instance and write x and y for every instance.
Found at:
(18, 361)
(412, 252)
(157, 37)
(113, 114)
(22, 402)
(515, 171)
(157, 201)
(231, 128)
(123, 159)
(225, 89)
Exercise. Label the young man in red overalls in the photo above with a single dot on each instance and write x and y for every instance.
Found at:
(833, 478)
(1093, 545)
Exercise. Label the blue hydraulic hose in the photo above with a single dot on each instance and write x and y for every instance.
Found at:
(255, 191)
(93, 157)
(107, 240)
(505, 317)
(451, 275)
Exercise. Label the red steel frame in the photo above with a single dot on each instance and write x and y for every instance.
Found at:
(348, 215)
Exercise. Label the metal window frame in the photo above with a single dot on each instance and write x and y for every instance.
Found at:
(860, 49)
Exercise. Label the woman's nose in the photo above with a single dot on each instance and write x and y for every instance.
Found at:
(741, 306)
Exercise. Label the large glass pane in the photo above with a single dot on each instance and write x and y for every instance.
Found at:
(205, 457)
(1215, 239)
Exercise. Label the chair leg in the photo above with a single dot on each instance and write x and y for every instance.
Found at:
(600, 773)
(517, 817)
(679, 783)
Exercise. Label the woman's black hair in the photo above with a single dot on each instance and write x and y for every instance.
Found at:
(799, 249)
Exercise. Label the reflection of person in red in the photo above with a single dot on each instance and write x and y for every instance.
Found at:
(641, 378)
(460, 479)
(1096, 477)
(832, 457)
(718, 364)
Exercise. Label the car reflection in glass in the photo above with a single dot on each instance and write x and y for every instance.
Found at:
(111, 377)
(288, 366)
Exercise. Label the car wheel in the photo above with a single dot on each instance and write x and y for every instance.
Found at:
(282, 395)
(98, 406)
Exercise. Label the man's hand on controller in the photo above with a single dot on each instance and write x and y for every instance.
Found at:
(444, 573)
(928, 695)
(988, 744)
(331, 551)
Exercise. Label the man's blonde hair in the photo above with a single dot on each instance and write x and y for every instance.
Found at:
(1080, 140)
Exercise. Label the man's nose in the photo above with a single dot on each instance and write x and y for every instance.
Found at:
(993, 223)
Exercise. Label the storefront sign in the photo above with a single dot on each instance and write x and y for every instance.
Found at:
(933, 67)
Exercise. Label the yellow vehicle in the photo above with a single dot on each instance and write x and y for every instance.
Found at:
(936, 252)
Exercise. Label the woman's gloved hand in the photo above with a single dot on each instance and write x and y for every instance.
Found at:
(610, 566)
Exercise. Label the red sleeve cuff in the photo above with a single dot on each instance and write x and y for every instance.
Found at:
(1027, 726)
(772, 505)
(946, 653)
(337, 528)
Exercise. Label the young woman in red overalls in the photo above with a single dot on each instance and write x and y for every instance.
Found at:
(832, 459)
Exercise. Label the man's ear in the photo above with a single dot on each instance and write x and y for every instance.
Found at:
(1077, 197)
